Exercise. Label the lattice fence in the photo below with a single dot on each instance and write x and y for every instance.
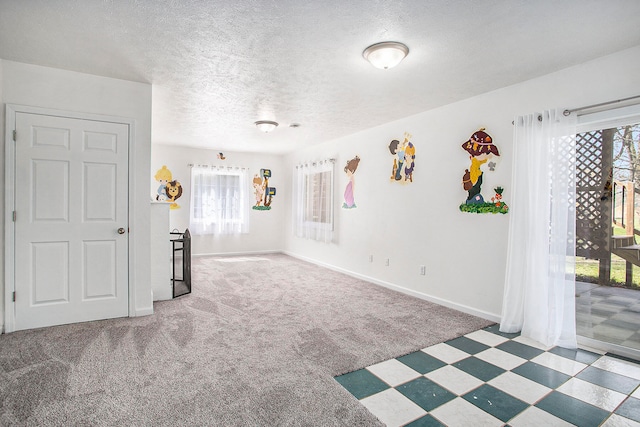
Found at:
(593, 201)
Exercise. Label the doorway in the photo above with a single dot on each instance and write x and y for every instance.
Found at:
(67, 241)
(607, 236)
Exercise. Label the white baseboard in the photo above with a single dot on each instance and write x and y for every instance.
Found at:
(446, 303)
(145, 311)
(238, 253)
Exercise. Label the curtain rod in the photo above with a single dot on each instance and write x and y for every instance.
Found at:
(315, 163)
(602, 104)
(215, 166)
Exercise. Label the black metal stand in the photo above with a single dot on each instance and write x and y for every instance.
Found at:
(182, 285)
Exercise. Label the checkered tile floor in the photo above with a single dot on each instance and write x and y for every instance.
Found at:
(489, 378)
(608, 314)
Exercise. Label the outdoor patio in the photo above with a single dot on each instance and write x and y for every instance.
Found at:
(608, 313)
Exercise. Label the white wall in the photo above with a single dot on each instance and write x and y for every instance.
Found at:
(412, 225)
(2, 120)
(45, 87)
(266, 227)
(420, 223)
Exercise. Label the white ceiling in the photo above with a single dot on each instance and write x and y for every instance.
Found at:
(218, 66)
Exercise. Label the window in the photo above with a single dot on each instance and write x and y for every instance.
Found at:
(317, 189)
(218, 201)
(314, 201)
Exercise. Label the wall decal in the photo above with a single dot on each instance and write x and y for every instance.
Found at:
(169, 189)
(264, 194)
(258, 190)
(404, 155)
(174, 191)
(350, 170)
(481, 149)
(163, 176)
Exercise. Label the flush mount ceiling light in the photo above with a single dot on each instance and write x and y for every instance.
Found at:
(266, 125)
(385, 55)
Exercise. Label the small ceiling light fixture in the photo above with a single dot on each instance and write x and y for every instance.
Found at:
(266, 125)
(385, 55)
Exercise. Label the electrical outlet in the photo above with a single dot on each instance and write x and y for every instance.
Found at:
(423, 270)
(370, 258)
(386, 262)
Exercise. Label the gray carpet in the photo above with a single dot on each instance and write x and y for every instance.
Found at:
(257, 343)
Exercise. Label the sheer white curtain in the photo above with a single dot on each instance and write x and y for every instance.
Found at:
(539, 297)
(313, 201)
(219, 202)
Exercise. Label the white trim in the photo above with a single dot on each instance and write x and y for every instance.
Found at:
(446, 303)
(248, 253)
(611, 118)
(9, 232)
(9, 204)
(133, 208)
(585, 343)
(146, 311)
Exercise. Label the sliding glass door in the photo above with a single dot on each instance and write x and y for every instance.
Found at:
(608, 233)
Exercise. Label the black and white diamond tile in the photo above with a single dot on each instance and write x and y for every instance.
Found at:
(489, 378)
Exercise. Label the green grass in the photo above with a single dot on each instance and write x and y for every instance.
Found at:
(619, 231)
(587, 271)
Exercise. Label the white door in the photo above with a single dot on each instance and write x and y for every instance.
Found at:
(71, 220)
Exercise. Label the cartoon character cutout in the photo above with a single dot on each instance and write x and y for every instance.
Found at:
(163, 176)
(264, 194)
(497, 199)
(405, 155)
(480, 148)
(409, 161)
(350, 170)
(169, 189)
(174, 191)
(258, 189)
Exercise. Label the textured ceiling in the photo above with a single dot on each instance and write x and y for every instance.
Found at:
(218, 66)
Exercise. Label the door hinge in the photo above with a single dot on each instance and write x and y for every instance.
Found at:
(14, 296)
(14, 216)
(14, 135)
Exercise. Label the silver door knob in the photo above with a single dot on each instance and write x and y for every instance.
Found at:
(120, 230)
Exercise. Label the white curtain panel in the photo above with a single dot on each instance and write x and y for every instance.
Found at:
(539, 296)
(219, 202)
(313, 201)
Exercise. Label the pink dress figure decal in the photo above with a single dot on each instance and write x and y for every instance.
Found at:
(350, 170)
